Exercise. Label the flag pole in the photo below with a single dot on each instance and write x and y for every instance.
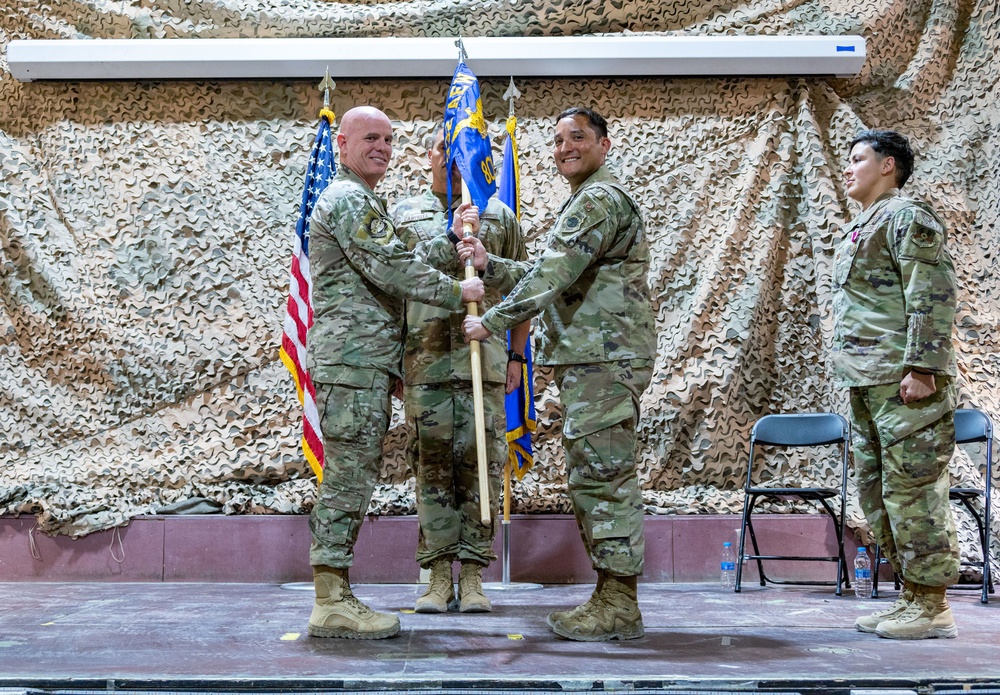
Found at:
(510, 95)
(505, 561)
(476, 357)
(312, 444)
(505, 583)
(326, 85)
(475, 354)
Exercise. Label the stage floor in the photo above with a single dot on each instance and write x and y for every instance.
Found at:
(200, 637)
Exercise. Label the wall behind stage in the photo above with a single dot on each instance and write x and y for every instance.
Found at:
(146, 231)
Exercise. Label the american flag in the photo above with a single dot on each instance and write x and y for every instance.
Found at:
(299, 316)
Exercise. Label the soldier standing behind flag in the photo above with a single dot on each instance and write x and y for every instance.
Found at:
(597, 331)
(362, 274)
(439, 404)
(894, 306)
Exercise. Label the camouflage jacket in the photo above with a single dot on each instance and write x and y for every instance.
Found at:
(361, 275)
(894, 294)
(434, 349)
(590, 281)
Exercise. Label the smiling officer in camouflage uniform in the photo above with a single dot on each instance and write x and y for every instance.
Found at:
(597, 331)
(894, 306)
(361, 275)
(438, 397)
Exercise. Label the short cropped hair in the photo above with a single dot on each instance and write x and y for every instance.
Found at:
(432, 136)
(597, 121)
(889, 143)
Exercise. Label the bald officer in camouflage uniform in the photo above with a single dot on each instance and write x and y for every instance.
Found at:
(439, 403)
(362, 274)
(894, 306)
(597, 331)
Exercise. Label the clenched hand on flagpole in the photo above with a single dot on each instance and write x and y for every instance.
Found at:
(476, 355)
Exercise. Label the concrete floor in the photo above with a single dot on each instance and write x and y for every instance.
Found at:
(205, 637)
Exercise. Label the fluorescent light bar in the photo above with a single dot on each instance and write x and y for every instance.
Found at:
(559, 56)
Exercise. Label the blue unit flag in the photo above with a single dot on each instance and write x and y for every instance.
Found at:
(466, 139)
(519, 404)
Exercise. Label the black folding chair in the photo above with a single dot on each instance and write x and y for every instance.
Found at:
(788, 431)
(971, 426)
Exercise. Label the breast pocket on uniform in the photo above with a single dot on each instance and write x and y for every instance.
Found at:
(843, 261)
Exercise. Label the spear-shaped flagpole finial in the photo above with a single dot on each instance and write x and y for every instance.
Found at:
(510, 95)
(462, 55)
(326, 85)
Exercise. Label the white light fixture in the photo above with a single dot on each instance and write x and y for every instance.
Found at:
(558, 56)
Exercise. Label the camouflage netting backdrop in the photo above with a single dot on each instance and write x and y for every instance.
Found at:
(146, 231)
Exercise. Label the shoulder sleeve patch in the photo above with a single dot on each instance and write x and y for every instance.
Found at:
(927, 220)
(376, 229)
(921, 236)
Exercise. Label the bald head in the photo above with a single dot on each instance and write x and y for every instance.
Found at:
(365, 143)
(360, 115)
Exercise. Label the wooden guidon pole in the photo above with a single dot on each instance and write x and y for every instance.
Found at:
(477, 390)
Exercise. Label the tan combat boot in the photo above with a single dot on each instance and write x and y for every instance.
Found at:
(927, 617)
(440, 589)
(557, 616)
(470, 589)
(337, 613)
(868, 623)
(614, 614)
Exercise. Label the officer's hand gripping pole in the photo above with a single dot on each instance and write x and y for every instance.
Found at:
(477, 388)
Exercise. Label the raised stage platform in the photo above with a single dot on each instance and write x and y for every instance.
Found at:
(240, 638)
(196, 604)
(275, 548)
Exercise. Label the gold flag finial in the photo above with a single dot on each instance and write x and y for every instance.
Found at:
(326, 85)
(510, 95)
(462, 55)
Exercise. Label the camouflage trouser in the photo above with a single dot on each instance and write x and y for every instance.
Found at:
(354, 422)
(600, 414)
(442, 454)
(901, 456)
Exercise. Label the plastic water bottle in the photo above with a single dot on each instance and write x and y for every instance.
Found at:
(862, 574)
(728, 567)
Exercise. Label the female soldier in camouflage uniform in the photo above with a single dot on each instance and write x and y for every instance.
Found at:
(894, 305)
